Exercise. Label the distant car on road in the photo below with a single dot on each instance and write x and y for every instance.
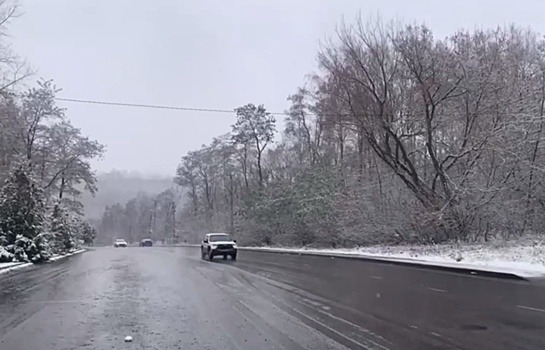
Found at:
(215, 244)
(120, 243)
(146, 243)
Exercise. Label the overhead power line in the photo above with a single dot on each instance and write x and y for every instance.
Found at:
(188, 109)
(215, 110)
(193, 109)
(138, 105)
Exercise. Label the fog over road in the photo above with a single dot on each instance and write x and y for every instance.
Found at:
(167, 298)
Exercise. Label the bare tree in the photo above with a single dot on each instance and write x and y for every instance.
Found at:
(256, 127)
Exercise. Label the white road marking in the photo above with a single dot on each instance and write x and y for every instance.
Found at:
(530, 308)
(376, 277)
(413, 326)
(437, 290)
(436, 334)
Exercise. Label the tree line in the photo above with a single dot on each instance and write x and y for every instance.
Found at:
(44, 165)
(144, 216)
(399, 138)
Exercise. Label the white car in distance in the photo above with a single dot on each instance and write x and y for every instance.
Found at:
(120, 243)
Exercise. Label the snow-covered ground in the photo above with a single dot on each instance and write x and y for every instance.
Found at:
(11, 266)
(57, 257)
(525, 258)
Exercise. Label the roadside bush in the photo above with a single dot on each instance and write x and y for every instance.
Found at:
(21, 247)
(5, 256)
(27, 250)
(43, 249)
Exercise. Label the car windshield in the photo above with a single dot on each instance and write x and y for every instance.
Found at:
(219, 238)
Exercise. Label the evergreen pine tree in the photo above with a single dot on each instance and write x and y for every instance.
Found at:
(21, 207)
(87, 233)
(61, 229)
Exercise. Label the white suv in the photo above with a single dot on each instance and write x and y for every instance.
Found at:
(215, 244)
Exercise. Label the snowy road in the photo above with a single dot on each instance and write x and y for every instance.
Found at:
(167, 298)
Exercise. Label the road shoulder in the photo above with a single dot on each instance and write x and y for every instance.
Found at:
(502, 271)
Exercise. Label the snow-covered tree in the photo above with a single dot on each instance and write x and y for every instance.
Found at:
(62, 229)
(400, 137)
(42, 157)
(21, 206)
(22, 218)
(87, 233)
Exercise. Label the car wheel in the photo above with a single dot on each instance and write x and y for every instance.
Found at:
(210, 256)
(234, 256)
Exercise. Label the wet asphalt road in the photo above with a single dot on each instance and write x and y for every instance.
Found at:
(167, 298)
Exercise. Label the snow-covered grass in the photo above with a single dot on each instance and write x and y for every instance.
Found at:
(11, 266)
(525, 258)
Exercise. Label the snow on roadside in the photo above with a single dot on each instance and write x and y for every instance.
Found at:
(525, 258)
(57, 257)
(11, 266)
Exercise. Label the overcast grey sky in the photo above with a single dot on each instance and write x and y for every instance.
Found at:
(209, 54)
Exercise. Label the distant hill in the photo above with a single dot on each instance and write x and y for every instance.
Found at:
(120, 186)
